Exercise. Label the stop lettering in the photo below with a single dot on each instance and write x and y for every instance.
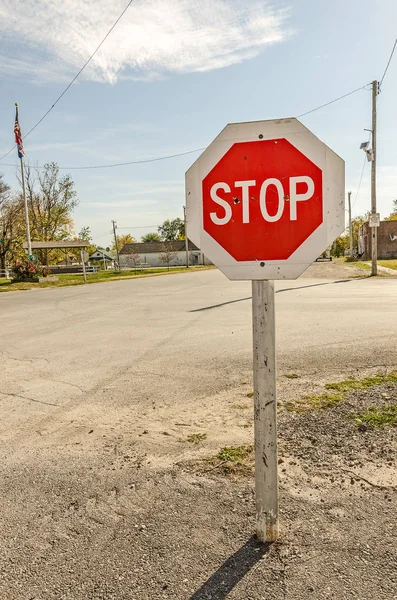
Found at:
(262, 200)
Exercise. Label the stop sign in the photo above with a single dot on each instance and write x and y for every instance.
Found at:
(265, 199)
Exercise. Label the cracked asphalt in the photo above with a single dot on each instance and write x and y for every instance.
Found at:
(100, 387)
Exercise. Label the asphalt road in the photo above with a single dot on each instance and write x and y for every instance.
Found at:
(178, 338)
(195, 324)
(100, 386)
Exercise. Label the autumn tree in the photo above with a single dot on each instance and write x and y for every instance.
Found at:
(172, 230)
(122, 240)
(12, 225)
(151, 237)
(340, 246)
(393, 214)
(51, 200)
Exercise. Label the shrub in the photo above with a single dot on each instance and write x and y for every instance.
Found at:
(25, 270)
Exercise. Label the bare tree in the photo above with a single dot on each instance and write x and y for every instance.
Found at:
(168, 255)
(134, 258)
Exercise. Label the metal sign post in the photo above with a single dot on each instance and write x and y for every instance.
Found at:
(263, 202)
(265, 410)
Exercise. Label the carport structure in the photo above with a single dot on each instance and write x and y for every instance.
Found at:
(59, 245)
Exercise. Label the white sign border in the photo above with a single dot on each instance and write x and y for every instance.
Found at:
(298, 135)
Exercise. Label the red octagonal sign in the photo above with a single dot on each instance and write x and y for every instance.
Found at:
(262, 200)
(265, 199)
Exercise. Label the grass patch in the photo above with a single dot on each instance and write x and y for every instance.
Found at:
(250, 395)
(337, 392)
(362, 265)
(291, 376)
(75, 279)
(390, 264)
(196, 438)
(361, 384)
(240, 406)
(232, 460)
(315, 402)
(375, 416)
(235, 454)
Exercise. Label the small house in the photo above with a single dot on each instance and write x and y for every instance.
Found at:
(103, 256)
(161, 254)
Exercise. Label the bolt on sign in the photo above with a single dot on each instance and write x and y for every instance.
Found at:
(263, 201)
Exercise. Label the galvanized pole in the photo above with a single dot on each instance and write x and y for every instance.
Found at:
(26, 212)
(23, 187)
(374, 233)
(115, 243)
(186, 240)
(265, 411)
(83, 263)
(350, 224)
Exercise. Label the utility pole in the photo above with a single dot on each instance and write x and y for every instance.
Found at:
(115, 243)
(374, 234)
(350, 224)
(186, 240)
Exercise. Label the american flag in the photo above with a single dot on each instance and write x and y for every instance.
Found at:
(18, 136)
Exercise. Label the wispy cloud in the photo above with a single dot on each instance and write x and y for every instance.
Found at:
(155, 37)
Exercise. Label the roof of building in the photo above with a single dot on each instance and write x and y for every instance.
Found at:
(149, 247)
(58, 244)
(99, 253)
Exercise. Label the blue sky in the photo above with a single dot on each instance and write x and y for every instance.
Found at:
(172, 74)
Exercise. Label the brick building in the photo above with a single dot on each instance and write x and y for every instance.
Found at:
(387, 240)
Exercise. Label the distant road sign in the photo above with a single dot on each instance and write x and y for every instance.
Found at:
(374, 220)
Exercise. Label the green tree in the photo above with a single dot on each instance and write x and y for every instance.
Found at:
(356, 224)
(151, 237)
(172, 230)
(339, 246)
(85, 234)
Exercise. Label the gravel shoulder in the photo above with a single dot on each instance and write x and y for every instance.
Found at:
(101, 519)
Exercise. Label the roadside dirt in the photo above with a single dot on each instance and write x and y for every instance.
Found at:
(335, 269)
(136, 512)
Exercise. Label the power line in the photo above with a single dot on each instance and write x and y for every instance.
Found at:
(74, 78)
(388, 64)
(360, 182)
(133, 162)
(149, 160)
(332, 101)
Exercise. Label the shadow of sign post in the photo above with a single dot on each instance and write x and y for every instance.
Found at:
(232, 571)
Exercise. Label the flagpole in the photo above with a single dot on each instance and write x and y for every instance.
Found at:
(26, 207)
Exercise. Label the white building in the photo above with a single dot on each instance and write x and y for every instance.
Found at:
(161, 254)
